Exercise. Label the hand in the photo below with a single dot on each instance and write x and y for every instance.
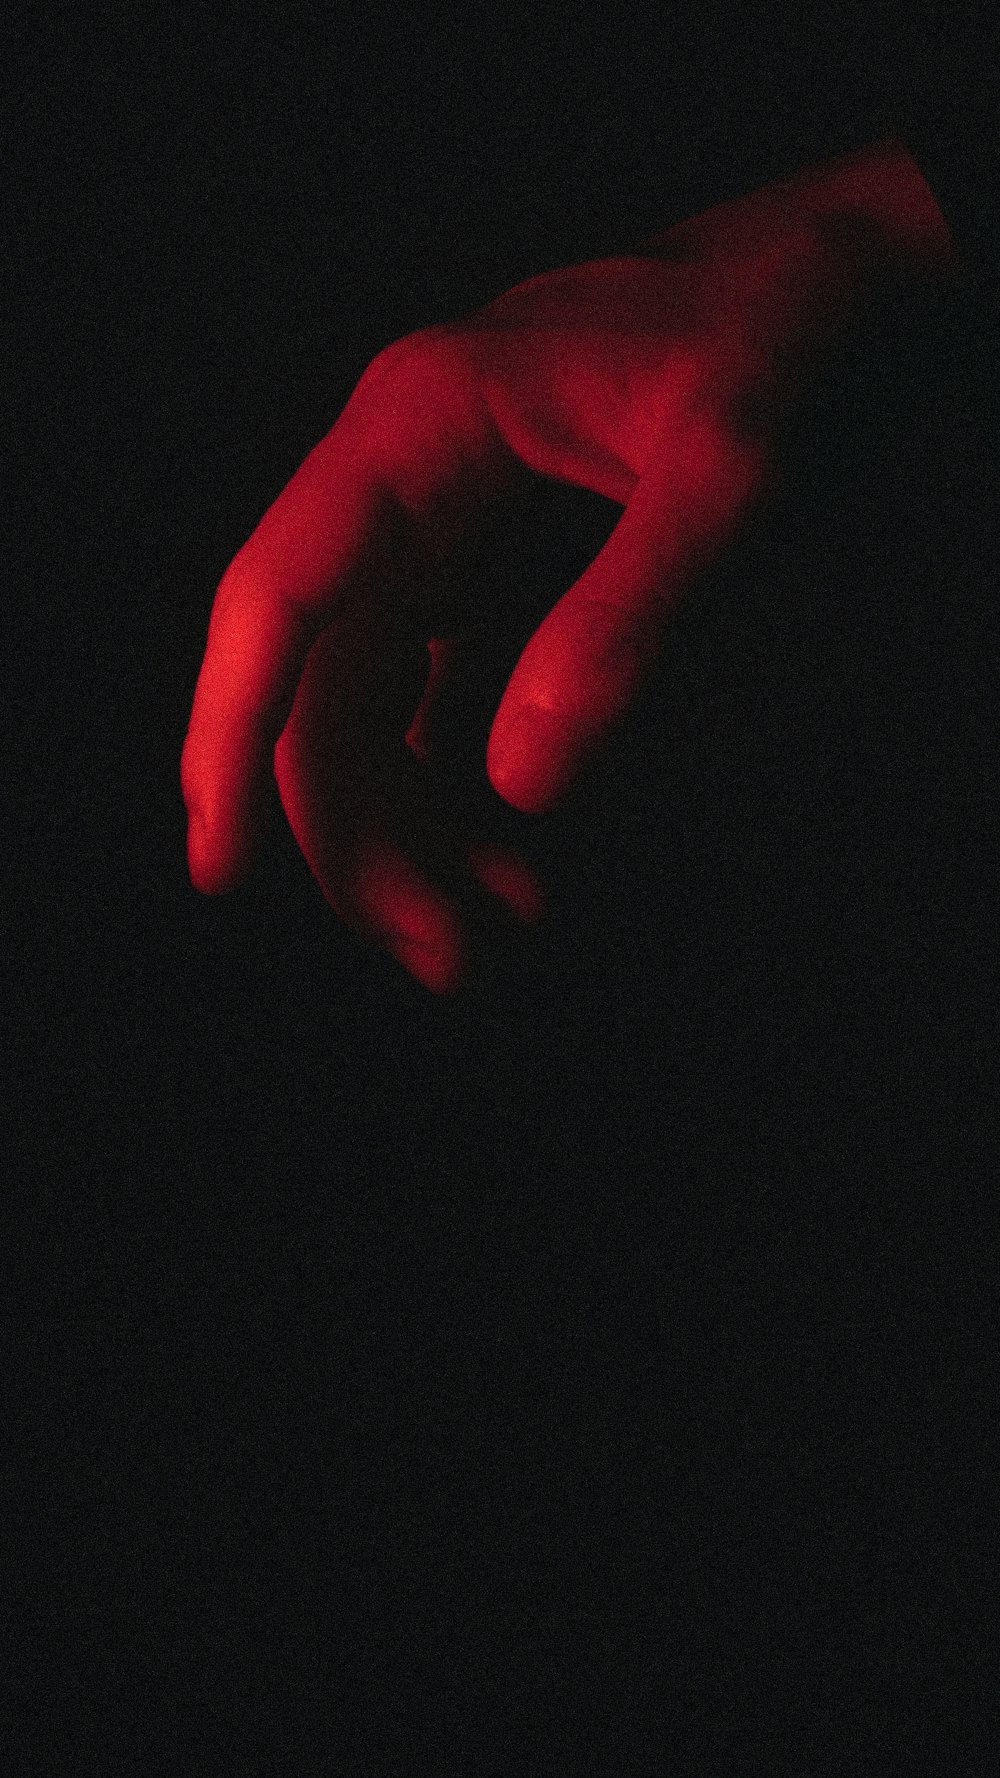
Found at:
(660, 380)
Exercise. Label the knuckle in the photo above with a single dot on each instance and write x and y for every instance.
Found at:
(429, 362)
(236, 588)
(717, 459)
(400, 398)
(426, 422)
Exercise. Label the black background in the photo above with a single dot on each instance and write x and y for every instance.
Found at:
(588, 1367)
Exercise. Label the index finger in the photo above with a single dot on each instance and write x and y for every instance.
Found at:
(325, 543)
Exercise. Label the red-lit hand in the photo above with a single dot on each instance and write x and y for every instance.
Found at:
(659, 381)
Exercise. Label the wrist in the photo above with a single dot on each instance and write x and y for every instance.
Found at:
(873, 203)
(878, 197)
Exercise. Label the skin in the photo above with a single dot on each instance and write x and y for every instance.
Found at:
(660, 379)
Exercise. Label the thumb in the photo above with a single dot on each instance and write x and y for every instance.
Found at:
(589, 659)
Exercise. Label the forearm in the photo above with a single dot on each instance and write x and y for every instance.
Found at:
(874, 199)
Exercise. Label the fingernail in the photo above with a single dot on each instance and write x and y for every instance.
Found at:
(536, 765)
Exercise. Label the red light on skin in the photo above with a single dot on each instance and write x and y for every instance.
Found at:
(510, 879)
(442, 972)
(443, 965)
(419, 736)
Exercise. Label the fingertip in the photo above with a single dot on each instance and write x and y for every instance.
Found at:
(196, 851)
(532, 766)
(210, 873)
(443, 972)
(535, 794)
(510, 878)
(526, 799)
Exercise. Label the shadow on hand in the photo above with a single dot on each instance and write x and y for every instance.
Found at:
(763, 851)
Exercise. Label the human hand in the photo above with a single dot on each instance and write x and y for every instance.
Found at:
(659, 381)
